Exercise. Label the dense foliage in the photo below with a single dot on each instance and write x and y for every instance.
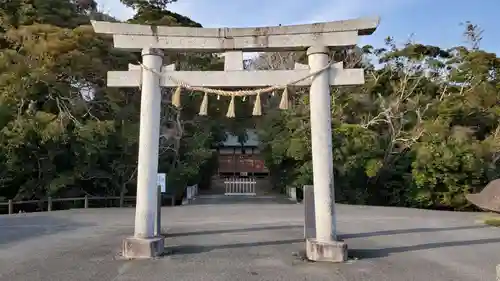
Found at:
(62, 131)
(423, 131)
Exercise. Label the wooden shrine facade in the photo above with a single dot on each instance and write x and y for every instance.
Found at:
(241, 159)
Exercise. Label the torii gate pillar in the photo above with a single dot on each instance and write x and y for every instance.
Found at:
(144, 243)
(325, 246)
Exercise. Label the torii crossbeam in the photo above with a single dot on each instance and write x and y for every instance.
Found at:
(252, 39)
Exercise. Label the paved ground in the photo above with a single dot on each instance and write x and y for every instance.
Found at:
(256, 240)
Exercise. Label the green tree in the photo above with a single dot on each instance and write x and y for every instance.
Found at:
(422, 131)
(62, 130)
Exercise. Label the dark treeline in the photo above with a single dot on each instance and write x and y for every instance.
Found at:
(423, 131)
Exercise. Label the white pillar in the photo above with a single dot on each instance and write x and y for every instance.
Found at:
(149, 135)
(321, 139)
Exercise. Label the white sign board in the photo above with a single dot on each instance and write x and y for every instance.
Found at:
(162, 181)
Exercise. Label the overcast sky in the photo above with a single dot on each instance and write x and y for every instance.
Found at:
(430, 21)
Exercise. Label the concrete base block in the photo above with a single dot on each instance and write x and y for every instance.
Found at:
(332, 251)
(498, 272)
(143, 248)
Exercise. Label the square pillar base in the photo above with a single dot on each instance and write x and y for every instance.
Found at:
(143, 248)
(331, 251)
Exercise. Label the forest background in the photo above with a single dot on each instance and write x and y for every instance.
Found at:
(423, 131)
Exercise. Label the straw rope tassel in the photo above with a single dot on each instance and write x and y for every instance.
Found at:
(230, 110)
(257, 108)
(204, 106)
(176, 98)
(284, 103)
(284, 99)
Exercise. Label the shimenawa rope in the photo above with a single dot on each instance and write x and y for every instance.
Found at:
(257, 110)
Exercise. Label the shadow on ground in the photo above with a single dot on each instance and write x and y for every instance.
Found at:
(353, 252)
(384, 252)
(223, 231)
(342, 236)
(408, 231)
(198, 249)
(15, 228)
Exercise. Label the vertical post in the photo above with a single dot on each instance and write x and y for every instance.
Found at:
(321, 141)
(49, 204)
(86, 202)
(309, 217)
(149, 134)
(11, 207)
(122, 200)
(158, 213)
(233, 60)
(323, 247)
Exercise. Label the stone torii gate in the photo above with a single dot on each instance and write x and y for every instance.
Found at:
(320, 74)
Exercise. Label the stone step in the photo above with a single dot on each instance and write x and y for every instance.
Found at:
(241, 199)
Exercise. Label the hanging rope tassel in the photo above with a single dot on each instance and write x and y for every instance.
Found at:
(257, 108)
(176, 98)
(284, 99)
(230, 110)
(204, 106)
